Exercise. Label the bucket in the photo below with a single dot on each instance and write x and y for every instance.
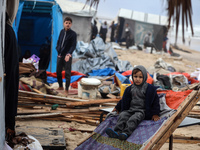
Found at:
(87, 88)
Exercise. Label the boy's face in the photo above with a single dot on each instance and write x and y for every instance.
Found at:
(67, 25)
(138, 78)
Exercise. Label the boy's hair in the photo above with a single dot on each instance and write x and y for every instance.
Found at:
(68, 19)
(135, 71)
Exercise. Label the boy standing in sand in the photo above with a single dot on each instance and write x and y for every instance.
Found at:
(66, 44)
(140, 101)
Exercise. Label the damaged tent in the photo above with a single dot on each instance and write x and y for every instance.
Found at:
(81, 15)
(141, 23)
(37, 27)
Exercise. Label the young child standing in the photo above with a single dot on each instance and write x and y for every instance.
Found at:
(66, 44)
(140, 101)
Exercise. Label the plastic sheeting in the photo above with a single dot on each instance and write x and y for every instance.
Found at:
(36, 21)
(97, 55)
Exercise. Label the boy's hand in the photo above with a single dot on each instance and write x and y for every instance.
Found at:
(115, 110)
(67, 57)
(155, 118)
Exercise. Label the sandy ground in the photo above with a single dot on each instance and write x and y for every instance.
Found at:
(188, 63)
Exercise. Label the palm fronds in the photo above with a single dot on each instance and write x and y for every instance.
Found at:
(180, 9)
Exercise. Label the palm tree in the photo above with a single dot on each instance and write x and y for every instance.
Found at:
(177, 10)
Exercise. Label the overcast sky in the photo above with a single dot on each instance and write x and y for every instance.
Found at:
(110, 8)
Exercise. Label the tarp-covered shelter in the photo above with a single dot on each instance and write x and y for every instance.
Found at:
(81, 15)
(37, 27)
(141, 23)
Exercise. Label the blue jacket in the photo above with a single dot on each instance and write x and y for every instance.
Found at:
(152, 106)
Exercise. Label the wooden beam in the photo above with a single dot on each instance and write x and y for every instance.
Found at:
(172, 123)
(182, 112)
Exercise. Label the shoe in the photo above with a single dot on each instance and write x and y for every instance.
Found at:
(111, 133)
(60, 88)
(123, 136)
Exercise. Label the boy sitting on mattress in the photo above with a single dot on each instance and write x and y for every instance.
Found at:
(140, 101)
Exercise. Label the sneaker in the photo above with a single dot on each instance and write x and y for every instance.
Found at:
(111, 133)
(123, 136)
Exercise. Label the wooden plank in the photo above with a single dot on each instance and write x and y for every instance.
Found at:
(50, 96)
(37, 115)
(185, 141)
(179, 118)
(166, 127)
(191, 86)
(72, 104)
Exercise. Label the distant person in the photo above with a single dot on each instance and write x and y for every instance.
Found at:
(103, 31)
(66, 44)
(140, 101)
(147, 42)
(189, 40)
(27, 54)
(94, 30)
(127, 35)
(112, 38)
(165, 39)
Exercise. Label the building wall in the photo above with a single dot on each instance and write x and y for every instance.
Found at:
(2, 99)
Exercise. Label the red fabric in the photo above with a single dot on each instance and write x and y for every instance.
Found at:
(192, 80)
(73, 73)
(24, 87)
(75, 84)
(127, 73)
(174, 99)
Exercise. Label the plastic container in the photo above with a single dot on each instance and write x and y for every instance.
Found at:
(123, 87)
(88, 88)
(35, 58)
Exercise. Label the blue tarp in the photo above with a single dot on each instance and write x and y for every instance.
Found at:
(123, 79)
(73, 79)
(102, 72)
(36, 21)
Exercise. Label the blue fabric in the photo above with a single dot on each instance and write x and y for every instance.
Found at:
(102, 72)
(57, 27)
(32, 28)
(151, 102)
(123, 79)
(73, 79)
(17, 18)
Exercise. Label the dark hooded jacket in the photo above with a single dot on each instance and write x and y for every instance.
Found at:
(152, 106)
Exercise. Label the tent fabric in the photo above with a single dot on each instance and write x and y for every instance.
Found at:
(143, 17)
(97, 55)
(174, 99)
(187, 75)
(140, 24)
(81, 15)
(73, 73)
(18, 17)
(76, 8)
(36, 21)
(102, 72)
(57, 26)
